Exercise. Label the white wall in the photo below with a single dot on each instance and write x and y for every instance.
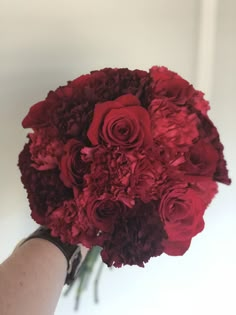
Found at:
(45, 43)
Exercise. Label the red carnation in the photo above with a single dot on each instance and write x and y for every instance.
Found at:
(110, 173)
(146, 178)
(172, 126)
(198, 102)
(45, 190)
(45, 148)
(137, 236)
(70, 223)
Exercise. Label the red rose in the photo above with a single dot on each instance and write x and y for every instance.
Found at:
(123, 123)
(172, 126)
(168, 84)
(181, 210)
(37, 116)
(221, 173)
(103, 212)
(72, 166)
(209, 132)
(200, 160)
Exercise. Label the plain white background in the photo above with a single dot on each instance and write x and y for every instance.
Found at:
(45, 43)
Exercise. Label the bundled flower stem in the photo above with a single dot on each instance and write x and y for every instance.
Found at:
(84, 275)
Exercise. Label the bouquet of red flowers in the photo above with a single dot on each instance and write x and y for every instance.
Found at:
(124, 160)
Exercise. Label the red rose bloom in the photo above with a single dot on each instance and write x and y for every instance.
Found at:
(221, 173)
(72, 166)
(181, 209)
(209, 132)
(42, 113)
(38, 116)
(168, 84)
(103, 212)
(200, 160)
(123, 123)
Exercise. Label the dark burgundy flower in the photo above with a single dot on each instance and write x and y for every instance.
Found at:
(72, 167)
(221, 173)
(109, 84)
(45, 190)
(137, 236)
(209, 132)
(103, 212)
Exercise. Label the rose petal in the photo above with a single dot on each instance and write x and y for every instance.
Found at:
(101, 109)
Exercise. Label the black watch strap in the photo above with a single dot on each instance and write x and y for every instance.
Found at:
(71, 252)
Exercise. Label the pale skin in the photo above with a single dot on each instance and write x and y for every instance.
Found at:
(32, 278)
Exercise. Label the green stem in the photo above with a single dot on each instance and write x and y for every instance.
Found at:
(84, 273)
(96, 282)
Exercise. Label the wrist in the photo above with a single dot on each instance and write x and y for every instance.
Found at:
(40, 244)
(72, 253)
